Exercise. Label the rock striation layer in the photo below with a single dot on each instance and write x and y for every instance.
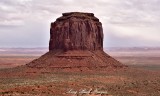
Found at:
(76, 41)
(76, 31)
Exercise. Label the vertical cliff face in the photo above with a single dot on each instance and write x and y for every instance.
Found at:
(76, 31)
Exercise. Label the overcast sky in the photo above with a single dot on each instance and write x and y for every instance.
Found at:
(126, 23)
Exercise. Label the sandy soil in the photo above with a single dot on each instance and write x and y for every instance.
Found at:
(139, 79)
(22, 81)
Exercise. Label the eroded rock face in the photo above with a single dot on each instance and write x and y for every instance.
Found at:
(76, 31)
(76, 42)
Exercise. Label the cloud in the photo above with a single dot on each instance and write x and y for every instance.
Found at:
(124, 19)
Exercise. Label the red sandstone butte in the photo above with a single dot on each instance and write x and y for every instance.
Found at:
(76, 31)
(76, 41)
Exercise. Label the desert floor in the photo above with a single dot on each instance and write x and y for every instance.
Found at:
(140, 78)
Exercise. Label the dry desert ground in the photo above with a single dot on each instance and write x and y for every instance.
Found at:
(140, 78)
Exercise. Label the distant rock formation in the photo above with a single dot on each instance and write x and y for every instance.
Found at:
(76, 41)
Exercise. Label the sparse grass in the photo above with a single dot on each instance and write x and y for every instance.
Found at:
(115, 84)
(134, 81)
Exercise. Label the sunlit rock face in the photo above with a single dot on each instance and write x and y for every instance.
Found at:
(76, 31)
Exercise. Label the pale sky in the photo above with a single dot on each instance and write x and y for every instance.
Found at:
(126, 23)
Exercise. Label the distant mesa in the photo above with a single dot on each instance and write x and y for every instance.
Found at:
(76, 41)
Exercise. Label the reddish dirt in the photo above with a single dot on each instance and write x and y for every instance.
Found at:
(48, 82)
(83, 60)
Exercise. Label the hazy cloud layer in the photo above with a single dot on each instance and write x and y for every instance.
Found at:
(25, 23)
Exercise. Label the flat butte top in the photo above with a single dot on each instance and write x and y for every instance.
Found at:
(80, 15)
